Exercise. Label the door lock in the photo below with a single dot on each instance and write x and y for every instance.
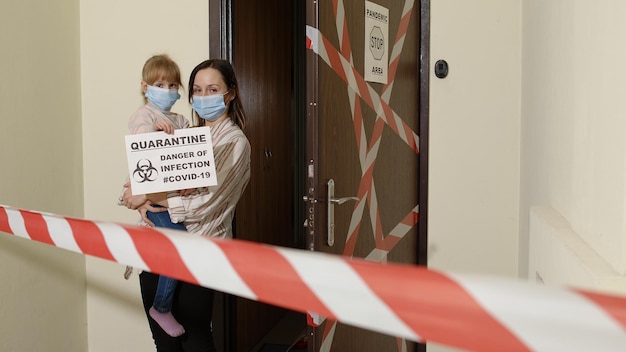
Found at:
(310, 200)
(331, 201)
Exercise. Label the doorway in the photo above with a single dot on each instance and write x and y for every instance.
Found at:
(265, 42)
(261, 39)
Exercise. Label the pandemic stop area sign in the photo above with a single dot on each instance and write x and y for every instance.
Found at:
(159, 162)
(376, 43)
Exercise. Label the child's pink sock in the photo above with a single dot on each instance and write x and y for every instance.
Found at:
(167, 322)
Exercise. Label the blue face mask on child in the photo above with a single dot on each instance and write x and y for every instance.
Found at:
(162, 98)
(209, 107)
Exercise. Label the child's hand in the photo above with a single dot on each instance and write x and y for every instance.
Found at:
(130, 201)
(165, 126)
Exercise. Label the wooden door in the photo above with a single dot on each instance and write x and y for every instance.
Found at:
(362, 140)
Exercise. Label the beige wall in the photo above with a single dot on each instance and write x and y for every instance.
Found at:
(474, 146)
(474, 137)
(71, 73)
(573, 156)
(116, 39)
(42, 290)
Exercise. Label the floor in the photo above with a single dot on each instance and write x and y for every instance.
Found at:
(289, 335)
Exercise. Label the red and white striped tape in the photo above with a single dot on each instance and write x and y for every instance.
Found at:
(468, 312)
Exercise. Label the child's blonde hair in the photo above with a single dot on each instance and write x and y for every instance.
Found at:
(161, 67)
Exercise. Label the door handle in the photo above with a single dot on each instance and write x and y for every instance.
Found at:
(342, 200)
(330, 206)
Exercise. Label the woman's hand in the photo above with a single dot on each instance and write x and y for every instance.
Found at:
(148, 207)
(130, 201)
(186, 192)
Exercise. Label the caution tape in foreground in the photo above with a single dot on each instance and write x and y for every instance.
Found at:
(469, 312)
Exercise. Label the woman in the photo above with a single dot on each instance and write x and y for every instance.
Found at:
(209, 211)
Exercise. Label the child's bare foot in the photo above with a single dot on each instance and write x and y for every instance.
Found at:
(167, 322)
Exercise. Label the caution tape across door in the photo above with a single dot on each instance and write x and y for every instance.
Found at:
(476, 313)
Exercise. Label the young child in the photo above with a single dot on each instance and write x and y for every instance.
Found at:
(159, 86)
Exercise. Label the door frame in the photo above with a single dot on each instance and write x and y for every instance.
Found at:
(220, 46)
(220, 17)
(424, 116)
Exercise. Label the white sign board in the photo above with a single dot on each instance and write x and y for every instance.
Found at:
(159, 162)
(376, 43)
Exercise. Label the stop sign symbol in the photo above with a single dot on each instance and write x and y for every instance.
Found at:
(377, 43)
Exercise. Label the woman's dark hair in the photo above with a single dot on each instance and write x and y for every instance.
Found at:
(235, 108)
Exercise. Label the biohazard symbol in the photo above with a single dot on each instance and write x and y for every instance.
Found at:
(145, 171)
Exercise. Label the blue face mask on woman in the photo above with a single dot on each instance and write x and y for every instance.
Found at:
(162, 98)
(209, 107)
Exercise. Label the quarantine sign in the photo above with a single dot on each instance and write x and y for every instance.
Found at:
(159, 162)
(376, 43)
